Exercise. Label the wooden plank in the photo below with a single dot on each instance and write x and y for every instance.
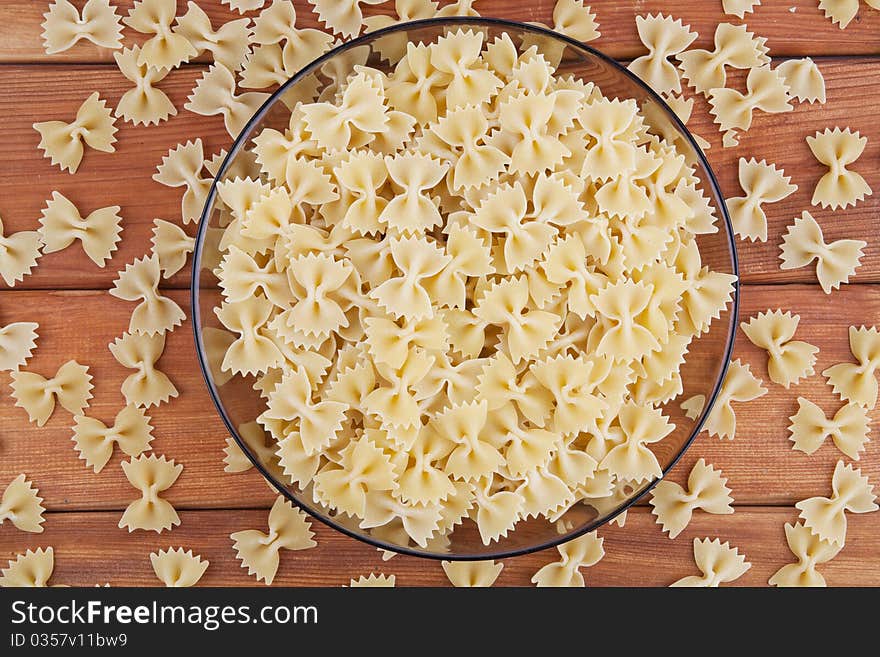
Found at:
(795, 27)
(90, 549)
(761, 467)
(125, 178)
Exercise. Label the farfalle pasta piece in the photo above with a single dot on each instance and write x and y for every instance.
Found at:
(145, 104)
(848, 429)
(414, 210)
(582, 552)
(837, 149)
(404, 296)
(361, 176)
(182, 167)
(227, 44)
(64, 26)
(61, 224)
(789, 360)
(842, 12)
(252, 351)
(277, 24)
(739, 385)
(22, 506)
(526, 331)
(718, 562)
(613, 125)
(362, 467)
(390, 342)
(235, 460)
(31, 569)
(71, 386)
(693, 406)
(502, 387)
(214, 94)
(94, 125)
(473, 457)
(147, 386)
(707, 490)
(810, 551)
(374, 581)
(664, 37)
(464, 130)
(242, 6)
(533, 121)
(167, 48)
(343, 17)
(93, 440)
(471, 574)
(621, 304)
(577, 403)
(151, 475)
(18, 254)
(570, 17)
(318, 280)
(857, 383)
(139, 281)
(765, 90)
(762, 183)
(176, 568)
(735, 46)
(289, 529)
(171, 245)
(505, 212)
(739, 8)
(361, 108)
(469, 81)
(242, 278)
(631, 460)
(826, 517)
(836, 262)
(804, 80)
(17, 343)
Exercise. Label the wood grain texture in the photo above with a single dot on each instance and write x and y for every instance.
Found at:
(90, 549)
(793, 27)
(124, 178)
(760, 464)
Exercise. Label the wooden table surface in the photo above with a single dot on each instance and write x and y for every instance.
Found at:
(67, 296)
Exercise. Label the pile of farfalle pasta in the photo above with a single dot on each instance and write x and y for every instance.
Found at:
(464, 285)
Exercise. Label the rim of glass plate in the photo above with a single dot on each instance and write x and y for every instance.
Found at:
(237, 147)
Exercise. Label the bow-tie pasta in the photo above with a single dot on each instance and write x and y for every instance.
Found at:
(176, 568)
(719, 563)
(22, 506)
(462, 290)
(31, 569)
(64, 26)
(17, 343)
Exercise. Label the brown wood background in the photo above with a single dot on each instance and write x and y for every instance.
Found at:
(67, 296)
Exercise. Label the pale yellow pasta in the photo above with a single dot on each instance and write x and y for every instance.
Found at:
(730, 139)
(664, 37)
(176, 568)
(31, 569)
(289, 529)
(182, 167)
(857, 383)
(71, 386)
(227, 44)
(63, 142)
(171, 245)
(93, 440)
(739, 8)
(144, 104)
(826, 516)
(167, 48)
(765, 90)
(762, 183)
(22, 506)
(139, 281)
(277, 25)
(62, 224)
(18, 254)
(151, 475)
(718, 562)
(64, 26)
(570, 17)
(836, 262)
(735, 46)
(810, 551)
(147, 386)
(789, 360)
(842, 12)
(579, 553)
(374, 581)
(693, 406)
(214, 94)
(17, 343)
(464, 288)
(343, 17)
(837, 149)
(470, 574)
(848, 429)
(706, 489)
(740, 385)
(804, 79)
(242, 6)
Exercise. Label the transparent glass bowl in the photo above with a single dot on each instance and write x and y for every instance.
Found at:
(238, 403)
